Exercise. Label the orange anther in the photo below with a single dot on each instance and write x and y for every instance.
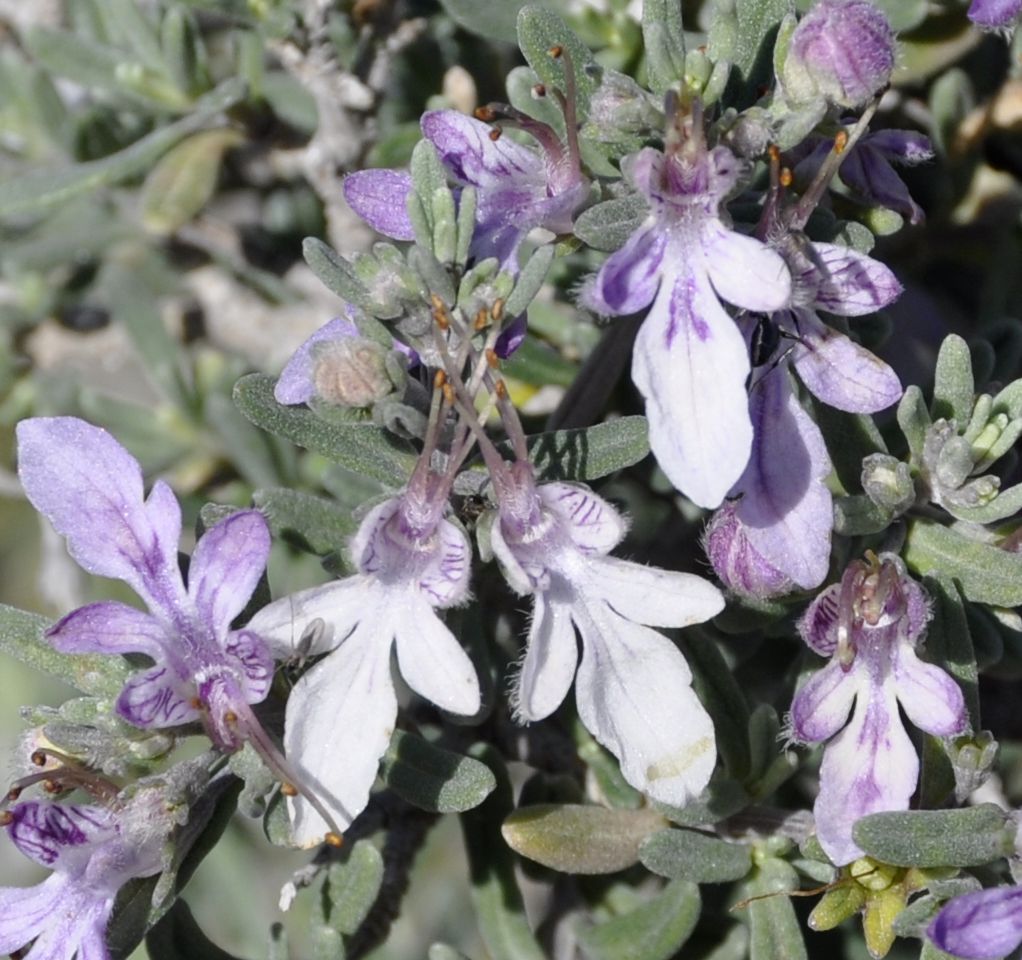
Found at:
(439, 379)
(774, 152)
(497, 310)
(486, 114)
(38, 758)
(6, 818)
(492, 359)
(556, 51)
(481, 320)
(333, 839)
(495, 134)
(289, 789)
(449, 394)
(786, 177)
(840, 141)
(230, 718)
(501, 389)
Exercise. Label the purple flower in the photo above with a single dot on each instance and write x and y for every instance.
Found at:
(690, 360)
(869, 625)
(90, 489)
(341, 714)
(995, 14)
(984, 925)
(842, 51)
(775, 534)
(632, 685)
(92, 852)
(518, 188)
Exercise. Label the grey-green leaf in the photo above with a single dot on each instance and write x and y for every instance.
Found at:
(688, 855)
(938, 838)
(179, 937)
(953, 388)
(320, 525)
(364, 449)
(608, 225)
(664, 39)
(653, 931)
(538, 31)
(432, 778)
(352, 886)
(774, 930)
(336, 274)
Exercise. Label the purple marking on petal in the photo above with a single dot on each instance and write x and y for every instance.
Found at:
(740, 567)
(629, 278)
(821, 706)
(983, 925)
(465, 148)
(511, 337)
(906, 147)
(818, 625)
(110, 627)
(49, 833)
(254, 662)
(227, 563)
(156, 698)
(295, 384)
(594, 526)
(445, 580)
(380, 197)
(850, 283)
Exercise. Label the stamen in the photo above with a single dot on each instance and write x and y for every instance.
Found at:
(497, 310)
(495, 134)
(482, 320)
(568, 100)
(6, 818)
(289, 789)
(485, 113)
(333, 839)
(440, 315)
(850, 584)
(539, 91)
(38, 758)
(492, 360)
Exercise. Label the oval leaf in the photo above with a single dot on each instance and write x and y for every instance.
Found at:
(687, 855)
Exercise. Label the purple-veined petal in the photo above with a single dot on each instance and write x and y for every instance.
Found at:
(226, 566)
(380, 197)
(340, 718)
(918, 609)
(59, 836)
(26, 912)
(594, 525)
(312, 621)
(496, 238)
(850, 283)
(633, 694)
(157, 697)
(821, 706)
(983, 925)
(76, 930)
(643, 170)
(690, 363)
(431, 660)
(364, 547)
(906, 147)
(520, 579)
(870, 767)
(839, 372)
(295, 384)
(929, 696)
(743, 270)
(511, 337)
(550, 657)
(785, 506)
(655, 597)
(466, 149)
(818, 625)
(869, 173)
(111, 627)
(629, 277)
(254, 663)
(91, 930)
(444, 583)
(90, 488)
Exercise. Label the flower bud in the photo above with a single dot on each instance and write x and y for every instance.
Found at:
(995, 14)
(620, 108)
(351, 372)
(841, 50)
(888, 483)
(737, 563)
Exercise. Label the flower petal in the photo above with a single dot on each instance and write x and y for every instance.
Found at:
(690, 363)
(867, 172)
(551, 657)
(157, 698)
(226, 566)
(295, 384)
(655, 597)
(821, 706)
(850, 283)
(870, 767)
(634, 694)
(445, 581)
(431, 660)
(818, 625)
(76, 930)
(340, 718)
(111, 627)
(26, 912)
(929, 696)
(983, 925)
(594, 525)
(90, 489)
(629, 278)
(60, 836)
(380, 197)
(839, 372)
(743, 270)
(254, 662)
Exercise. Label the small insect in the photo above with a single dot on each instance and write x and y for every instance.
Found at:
(294, 665)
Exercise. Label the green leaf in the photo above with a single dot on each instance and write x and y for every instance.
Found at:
(948, 641)
(320, 525)
(183, 181)
(495, 21)
(529, 280)
(183, 51)
(664, 39)
(577, 838)
(537, 363)
(914, 420)
(499, 908)
(653, 931)
(352, 886)
(937, 838)
(538, 31)
(774, 930)
(720, 800)
(953, 388)
(22, 635)
(608, 225)
(757, 20)
(687, 855)
(1006, 504)
(40, 189)
(434, 779)
(591, 452)
(335, 273)
(985, 573)
(364, 449)
(179, 937)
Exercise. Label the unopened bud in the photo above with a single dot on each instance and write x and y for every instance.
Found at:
(351, 372)
(888, 483)
(842, 51)
(740, 567)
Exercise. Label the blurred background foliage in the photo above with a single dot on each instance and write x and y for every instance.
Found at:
(160, 164)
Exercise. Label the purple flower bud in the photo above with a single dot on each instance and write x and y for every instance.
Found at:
(842, 50)
(995, 14)
(739, 565)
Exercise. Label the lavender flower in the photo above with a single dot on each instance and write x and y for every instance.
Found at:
(842, 51)
(341, 714)
(869, 625)
(690, 360)
(90, 489)
(632, 686)
(518, 189)
(983, 925)
(995, 14)
(93, 852)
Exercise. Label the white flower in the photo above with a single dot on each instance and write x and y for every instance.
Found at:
(341, 714)
(632, 686)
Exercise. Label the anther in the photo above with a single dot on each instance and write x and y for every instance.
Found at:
(841, 141)
(486, 114)
(6, 818)
(12, 795)
(51, 786)
(786, 177)
(497, 310)
(539, 91)
(289, 789)
(230, 718)
(556, 51)
(501, 389)
(333, 839)
(38, 758)
(448, 394)
(196, 703)
(774, 153)
(440, 317)
(495, 134)
(492, 359)
(482, 320)
(439, 379)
